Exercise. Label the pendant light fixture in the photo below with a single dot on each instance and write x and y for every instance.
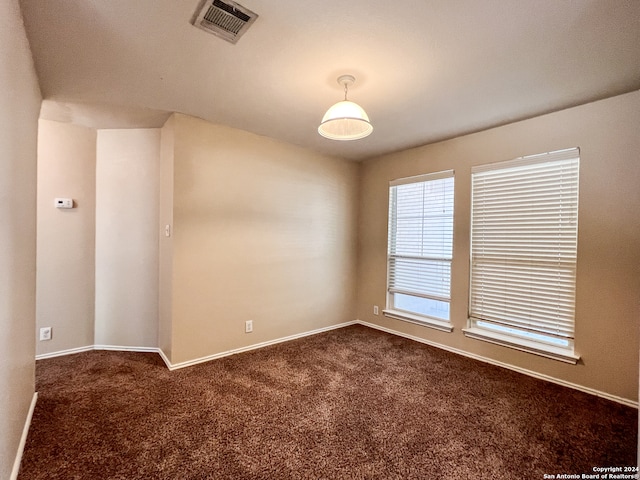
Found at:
(345, 120)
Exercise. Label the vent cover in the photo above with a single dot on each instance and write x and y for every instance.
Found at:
(225, 19)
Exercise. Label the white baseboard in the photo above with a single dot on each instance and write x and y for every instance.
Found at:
(122, 348)
(164, 357)
(61, 353)
(608, 396)
(23, 438)
(188, 363)
(88, 348)
(255, 346)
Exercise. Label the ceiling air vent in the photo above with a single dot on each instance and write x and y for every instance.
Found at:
(227, 20)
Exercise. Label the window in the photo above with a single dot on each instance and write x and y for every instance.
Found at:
(524, 226)
(420, 249)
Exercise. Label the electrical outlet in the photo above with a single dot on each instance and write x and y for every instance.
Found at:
(375, 310)
(248, 326)
(45, 333)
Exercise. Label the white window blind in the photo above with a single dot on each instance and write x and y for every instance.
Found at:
(524, 226)
(421, 244)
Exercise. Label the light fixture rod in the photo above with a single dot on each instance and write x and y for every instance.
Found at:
(346, 81)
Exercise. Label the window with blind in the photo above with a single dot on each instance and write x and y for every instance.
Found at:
(524, 226)
(420, 249)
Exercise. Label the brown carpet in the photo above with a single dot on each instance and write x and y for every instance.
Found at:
(353, 403)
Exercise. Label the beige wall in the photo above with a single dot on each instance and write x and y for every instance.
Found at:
(263, 230)
(165, 261)
(66, 238)
(98, 262)
(608, 277)
(19, 108)
(126, 267)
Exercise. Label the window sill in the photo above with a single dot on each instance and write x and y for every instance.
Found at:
(424, 321)
(523, 345)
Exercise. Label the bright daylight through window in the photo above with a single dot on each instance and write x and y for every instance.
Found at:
(420, 249)
(524, 232)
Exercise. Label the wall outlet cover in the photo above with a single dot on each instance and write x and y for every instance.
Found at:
(45, 333)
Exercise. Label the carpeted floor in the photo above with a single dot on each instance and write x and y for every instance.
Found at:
(353, 403)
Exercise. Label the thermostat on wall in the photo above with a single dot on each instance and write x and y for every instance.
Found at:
(64, 203)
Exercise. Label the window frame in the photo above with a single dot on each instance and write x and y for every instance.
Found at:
(391, 310)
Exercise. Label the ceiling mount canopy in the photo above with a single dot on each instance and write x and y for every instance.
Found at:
(345, 120)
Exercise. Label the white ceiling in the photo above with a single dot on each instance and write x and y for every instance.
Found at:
(425, 70)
